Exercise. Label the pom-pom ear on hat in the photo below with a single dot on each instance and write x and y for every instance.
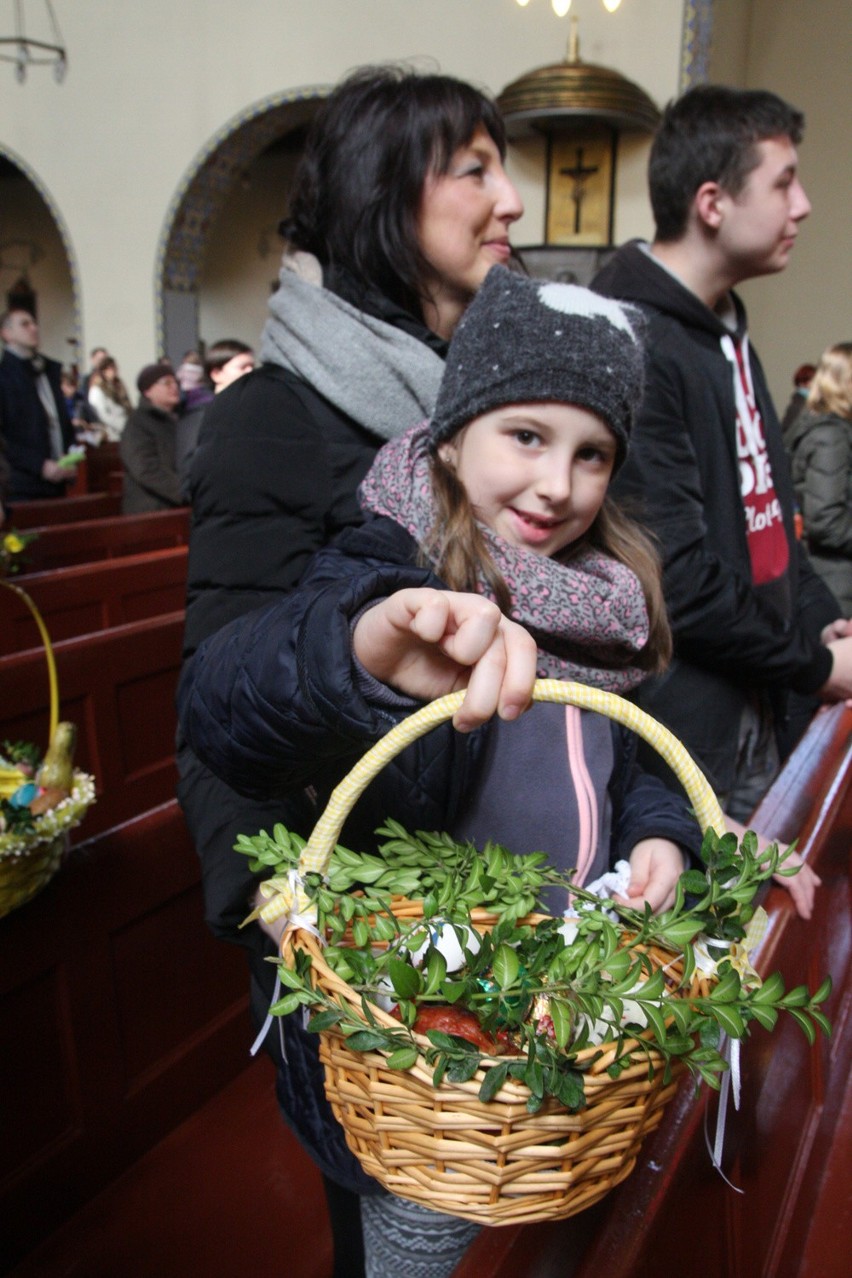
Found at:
(152, 373)
(526, 341)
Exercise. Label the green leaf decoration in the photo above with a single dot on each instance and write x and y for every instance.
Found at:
(322, 1021)
(436, 971)
(405, 979)
(463, 1069)
(730, 1019)
(505, 967)
(523, 970)
(823, 992)
(493, 1081)
(563, 1020)
(365, 1040)
(402, 1058)
(284, 1006)
(804, 1023)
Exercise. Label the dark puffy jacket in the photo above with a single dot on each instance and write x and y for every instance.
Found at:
(821, 461)
(272, 705)
(274, 476)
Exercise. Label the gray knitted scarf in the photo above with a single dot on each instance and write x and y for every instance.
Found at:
(382, 378)
(589, 616)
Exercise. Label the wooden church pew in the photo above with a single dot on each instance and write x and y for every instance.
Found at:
(86, 540)
(63, 510)
(83, 598)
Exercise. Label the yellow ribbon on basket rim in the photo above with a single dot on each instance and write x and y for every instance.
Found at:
(286, 896)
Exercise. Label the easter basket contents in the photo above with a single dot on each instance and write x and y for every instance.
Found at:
(42, 797)
(489, 1061)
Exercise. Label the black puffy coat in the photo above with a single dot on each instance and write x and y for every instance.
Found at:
(820, 447)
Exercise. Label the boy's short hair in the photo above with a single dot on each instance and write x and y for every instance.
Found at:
(221, 353)
(710, 134)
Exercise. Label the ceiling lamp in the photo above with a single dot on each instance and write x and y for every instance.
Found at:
(26, 51)
(552, 96)
(561, 7)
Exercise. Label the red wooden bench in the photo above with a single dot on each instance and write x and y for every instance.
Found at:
(58, 545)
(121, 1016)
(118, 687)
(86, 597)
(63, 510)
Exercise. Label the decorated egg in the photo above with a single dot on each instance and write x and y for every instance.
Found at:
(450, 940)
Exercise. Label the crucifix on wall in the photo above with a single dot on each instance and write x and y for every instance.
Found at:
(581, 170)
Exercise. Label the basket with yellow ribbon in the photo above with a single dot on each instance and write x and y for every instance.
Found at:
(42, 796)
(489, 1061)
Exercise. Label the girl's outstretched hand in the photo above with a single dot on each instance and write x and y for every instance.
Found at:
(426, 643)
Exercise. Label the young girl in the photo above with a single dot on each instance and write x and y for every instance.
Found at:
(489, 555)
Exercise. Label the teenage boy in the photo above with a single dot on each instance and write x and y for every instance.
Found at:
(707, 470)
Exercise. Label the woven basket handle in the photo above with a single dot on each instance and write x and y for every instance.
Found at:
(317, 851)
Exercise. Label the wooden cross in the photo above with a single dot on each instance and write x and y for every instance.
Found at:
(579, 173)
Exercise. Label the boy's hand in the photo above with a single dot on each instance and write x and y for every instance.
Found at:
(426, 643)
(802, 886)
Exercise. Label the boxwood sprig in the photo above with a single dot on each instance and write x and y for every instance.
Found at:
(601, 986)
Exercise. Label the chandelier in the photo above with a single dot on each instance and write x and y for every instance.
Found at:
(561, 7)
(26, 51)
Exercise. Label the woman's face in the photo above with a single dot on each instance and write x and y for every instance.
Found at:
(535, 474)
(463, 228)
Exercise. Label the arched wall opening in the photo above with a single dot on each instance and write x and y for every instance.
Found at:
(38, 267)
(219, 251)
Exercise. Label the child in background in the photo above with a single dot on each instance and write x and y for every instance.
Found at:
(489, 555)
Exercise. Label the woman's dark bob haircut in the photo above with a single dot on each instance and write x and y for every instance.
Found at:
(377, 137)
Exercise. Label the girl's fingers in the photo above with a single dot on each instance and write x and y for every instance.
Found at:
(501, 657)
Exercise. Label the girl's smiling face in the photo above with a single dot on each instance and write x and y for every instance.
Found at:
(535, 474)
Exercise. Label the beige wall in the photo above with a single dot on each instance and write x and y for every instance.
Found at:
(150, 87)
(802, 49)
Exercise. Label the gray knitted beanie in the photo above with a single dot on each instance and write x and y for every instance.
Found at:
(524, 341)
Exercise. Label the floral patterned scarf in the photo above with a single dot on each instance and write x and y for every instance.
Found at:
(589, 617)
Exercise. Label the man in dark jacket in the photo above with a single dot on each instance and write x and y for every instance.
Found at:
(707, 469)
(34, 422)
(147, 444)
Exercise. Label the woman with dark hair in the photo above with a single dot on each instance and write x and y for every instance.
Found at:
(401, 207)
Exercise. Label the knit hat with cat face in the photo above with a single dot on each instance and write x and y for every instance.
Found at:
(526, 341)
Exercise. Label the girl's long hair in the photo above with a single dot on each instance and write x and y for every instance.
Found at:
(459, 555)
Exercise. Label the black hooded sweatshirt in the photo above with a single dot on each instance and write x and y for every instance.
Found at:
(732, 638)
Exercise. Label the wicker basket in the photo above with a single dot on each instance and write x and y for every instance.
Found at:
(492, 1162)
(29, 860)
